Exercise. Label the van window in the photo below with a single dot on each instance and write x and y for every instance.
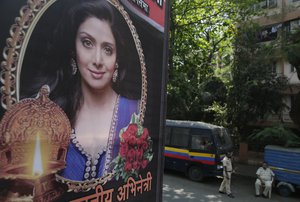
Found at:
(168, 135)
(201, 131)
(180, 137)
(200, 142)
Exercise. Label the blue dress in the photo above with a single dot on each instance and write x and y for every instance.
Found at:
(80, 166)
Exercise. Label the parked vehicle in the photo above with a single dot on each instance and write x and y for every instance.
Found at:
(195, 148)
(285, 163)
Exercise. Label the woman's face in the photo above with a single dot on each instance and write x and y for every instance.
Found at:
(96, 53)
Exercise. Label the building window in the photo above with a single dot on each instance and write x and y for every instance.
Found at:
(269, 33)
(272, 3)
(268, 4)
(263, 4)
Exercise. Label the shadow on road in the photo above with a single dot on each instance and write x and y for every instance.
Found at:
(178, 188)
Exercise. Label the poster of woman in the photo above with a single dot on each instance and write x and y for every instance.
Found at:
(103, 63)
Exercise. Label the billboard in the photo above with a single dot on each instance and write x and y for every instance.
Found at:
(82, 99)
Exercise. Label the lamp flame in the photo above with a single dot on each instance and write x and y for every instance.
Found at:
(37, 158)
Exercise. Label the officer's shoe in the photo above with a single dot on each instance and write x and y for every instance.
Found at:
(230, 195)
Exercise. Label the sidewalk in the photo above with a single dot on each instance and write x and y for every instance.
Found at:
(248, 168)
(245, 169)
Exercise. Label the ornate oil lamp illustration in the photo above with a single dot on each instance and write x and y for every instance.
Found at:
(34, 135)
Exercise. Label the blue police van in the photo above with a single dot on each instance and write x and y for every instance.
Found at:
(195, 148)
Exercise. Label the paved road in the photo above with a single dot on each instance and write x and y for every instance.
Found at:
(177, 188)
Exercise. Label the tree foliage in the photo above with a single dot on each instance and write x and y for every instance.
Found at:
(256, 87)
(276, 135)
(291, 49)
(218, 72)
(201, 33)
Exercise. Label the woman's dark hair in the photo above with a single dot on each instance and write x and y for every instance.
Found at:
(66, 87)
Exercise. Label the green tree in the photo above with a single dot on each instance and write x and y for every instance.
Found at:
(291, 49)
(256, 87)
(275, 135)
(201, 34)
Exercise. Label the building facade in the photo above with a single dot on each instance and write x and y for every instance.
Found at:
(280, 17)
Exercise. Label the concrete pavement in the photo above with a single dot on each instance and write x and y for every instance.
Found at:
(178, 188)
(245, 169)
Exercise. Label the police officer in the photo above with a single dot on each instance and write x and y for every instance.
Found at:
(227, 171)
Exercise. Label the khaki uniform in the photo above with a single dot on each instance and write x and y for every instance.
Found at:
(266, 175)
(225, 186)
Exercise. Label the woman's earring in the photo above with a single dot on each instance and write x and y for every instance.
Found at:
(115, 74)
(74, 66)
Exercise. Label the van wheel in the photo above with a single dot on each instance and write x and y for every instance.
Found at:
(284, 190)
(195, 173)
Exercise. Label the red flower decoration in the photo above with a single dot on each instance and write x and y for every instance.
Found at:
(123, 149)
(128, 166)
(144, 163)
(135, 150)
